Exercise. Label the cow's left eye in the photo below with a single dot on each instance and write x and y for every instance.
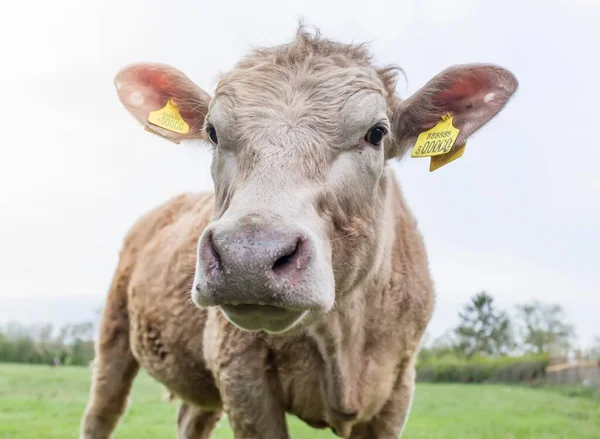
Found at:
(375, 135)
(212, 134)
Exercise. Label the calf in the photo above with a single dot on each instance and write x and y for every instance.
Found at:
(309, 274)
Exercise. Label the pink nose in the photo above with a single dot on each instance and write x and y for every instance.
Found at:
(250, 263)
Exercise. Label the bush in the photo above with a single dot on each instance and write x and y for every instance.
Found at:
(526, 369)
(39, 344)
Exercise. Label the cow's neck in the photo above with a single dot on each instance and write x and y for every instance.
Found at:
(346, 339)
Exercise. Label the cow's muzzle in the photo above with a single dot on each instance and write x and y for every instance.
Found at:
(262, 276)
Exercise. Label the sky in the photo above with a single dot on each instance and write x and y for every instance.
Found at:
(517, 216)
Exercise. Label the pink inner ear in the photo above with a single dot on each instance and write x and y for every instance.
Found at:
(157, 80)
(465, 92)
(473, 94)
(151, 83)
(144, 88)
(161, 87)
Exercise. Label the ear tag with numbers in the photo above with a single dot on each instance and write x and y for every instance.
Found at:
(169, 118)
(437, 140)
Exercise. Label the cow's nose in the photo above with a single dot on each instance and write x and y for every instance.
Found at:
(263, 275)
(259, 257)
(251, 251)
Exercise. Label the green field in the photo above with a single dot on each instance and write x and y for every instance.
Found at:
(42, 402)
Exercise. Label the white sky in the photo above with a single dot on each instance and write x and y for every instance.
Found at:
(518, 215)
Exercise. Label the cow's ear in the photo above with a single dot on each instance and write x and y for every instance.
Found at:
(472, 93)
(164, 100)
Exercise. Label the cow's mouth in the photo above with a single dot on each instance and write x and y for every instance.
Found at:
(255, 317)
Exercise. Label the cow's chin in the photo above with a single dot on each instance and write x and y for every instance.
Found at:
(272, 319)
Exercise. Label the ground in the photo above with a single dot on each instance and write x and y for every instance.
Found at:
(40, 401)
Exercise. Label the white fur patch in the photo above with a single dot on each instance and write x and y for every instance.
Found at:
(488, 97)
(136, 98)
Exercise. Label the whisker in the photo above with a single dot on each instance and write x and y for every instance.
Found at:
(345, 236)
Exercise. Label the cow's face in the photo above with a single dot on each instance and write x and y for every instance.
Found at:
(301, 134)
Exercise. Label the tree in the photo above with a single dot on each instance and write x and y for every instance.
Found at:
(483, 329)
(82, 331)
(544, 328)
(442, 346)
(38, 343)
(594, 352)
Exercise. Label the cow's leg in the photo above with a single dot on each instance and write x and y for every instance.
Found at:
(196, 423)
(249, 387)
(390, 421)
(114, 367)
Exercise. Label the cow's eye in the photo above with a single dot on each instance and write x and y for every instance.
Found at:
(212, 134)
(375, 135)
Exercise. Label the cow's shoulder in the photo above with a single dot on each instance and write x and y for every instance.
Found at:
(174, 213)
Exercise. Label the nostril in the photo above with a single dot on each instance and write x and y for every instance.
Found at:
(212, 257)
(288, 260)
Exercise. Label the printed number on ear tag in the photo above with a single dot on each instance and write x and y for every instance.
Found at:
(169, 118)
(436, 141)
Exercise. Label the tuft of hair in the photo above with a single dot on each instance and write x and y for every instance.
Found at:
(309, 47)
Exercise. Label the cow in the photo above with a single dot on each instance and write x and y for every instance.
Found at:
(307, 269)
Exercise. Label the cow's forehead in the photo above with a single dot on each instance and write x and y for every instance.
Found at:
(299, 100)
(309, 70)
(279, 87)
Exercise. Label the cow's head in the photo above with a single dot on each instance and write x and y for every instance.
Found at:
(301, 134)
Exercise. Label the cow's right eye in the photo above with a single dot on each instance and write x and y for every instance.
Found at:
(375, 135)
(212, 134)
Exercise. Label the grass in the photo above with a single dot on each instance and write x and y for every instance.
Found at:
(42, 402)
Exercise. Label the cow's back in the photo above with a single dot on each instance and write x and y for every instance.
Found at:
(166, 330)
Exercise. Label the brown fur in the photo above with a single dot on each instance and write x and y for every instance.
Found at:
(344, 368)
(351, 369)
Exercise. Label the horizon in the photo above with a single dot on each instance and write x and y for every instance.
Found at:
(82, 308)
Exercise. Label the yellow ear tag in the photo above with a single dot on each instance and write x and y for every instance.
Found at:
(436, 141)
(440, 160)
(169, 118)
